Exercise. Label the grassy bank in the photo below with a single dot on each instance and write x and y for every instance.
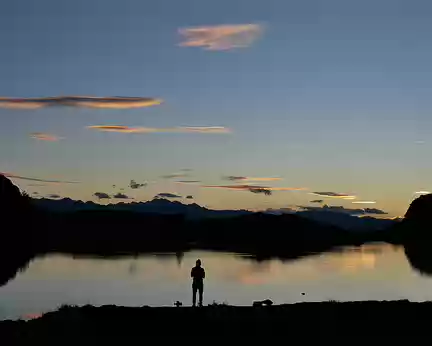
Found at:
(329, 321)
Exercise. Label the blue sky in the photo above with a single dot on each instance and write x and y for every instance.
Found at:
(332, 96)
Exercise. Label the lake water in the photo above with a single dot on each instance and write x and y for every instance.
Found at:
(378, 272)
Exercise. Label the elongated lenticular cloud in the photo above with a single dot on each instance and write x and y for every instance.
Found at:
(364, 202)
(45, 136)
(115, 102)
(255, 187)
(334, 195)
(220, 37)
(187, 181)
(180, 129)
(14, 176)
(240, 178)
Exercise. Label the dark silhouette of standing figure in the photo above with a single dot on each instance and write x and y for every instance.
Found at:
(197, 275)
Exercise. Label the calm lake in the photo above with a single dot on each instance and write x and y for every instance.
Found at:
(378, 272)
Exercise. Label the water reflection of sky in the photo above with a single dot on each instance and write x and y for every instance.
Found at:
(370, 272)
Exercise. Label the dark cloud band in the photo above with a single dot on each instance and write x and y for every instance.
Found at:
(78, 101)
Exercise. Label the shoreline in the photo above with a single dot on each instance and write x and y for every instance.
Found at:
(358, 319)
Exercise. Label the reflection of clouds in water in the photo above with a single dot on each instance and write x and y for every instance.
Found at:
(220, 267)
(354, 259)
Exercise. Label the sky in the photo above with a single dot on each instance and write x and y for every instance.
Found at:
(328, 96)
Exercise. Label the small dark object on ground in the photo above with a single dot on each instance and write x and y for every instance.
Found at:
(178, 304)
(266, 302)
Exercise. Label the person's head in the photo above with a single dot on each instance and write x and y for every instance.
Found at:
(198, 263)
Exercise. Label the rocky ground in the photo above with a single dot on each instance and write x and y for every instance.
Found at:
(327, 322)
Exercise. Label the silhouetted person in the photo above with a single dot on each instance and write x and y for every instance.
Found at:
(197, 275)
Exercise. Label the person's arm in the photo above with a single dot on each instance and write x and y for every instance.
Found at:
(203, 273)
(192, 273)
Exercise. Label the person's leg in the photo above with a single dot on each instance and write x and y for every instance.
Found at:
(201, 292)
(194, 292)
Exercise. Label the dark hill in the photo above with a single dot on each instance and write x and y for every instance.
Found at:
(415, 234)
(15, 229)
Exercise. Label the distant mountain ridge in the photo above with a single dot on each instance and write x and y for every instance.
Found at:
(194, 212)
(155, 206)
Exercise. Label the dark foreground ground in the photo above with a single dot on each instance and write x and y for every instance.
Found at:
(374, 322)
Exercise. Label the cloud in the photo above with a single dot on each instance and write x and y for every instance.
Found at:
(134, 185)
(341, 209)
(259, 190)
(237, 178)
(263, 179)
(255, 188)
(174, 175)
(102, 195)
(189, 197)
(220, 37)
(45, 136)
(422, 192)
(146, 130)
(167, 195)
(334, 195)
(78, 101)
(187, 181)
(374, 211)
(317, 201)
(35, 193)
(121, 196)
(54, 196)
(233, 178)
(364, 202)
(14, 176)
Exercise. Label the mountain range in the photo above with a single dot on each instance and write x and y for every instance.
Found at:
(161, 206)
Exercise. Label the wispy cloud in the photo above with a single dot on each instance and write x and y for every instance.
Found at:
(241, 178)
(174, 175)
(14, 176)
(167, 195)
(422, 192)
(334, 195)
(54, 196)
(256, 188)
(187, 181)
(220, 37)
(78, 101)
(45, 136)
(102, 195)
(134, 185)
(147, 130)
(317, 201)
(364, 202)
(189, 197)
